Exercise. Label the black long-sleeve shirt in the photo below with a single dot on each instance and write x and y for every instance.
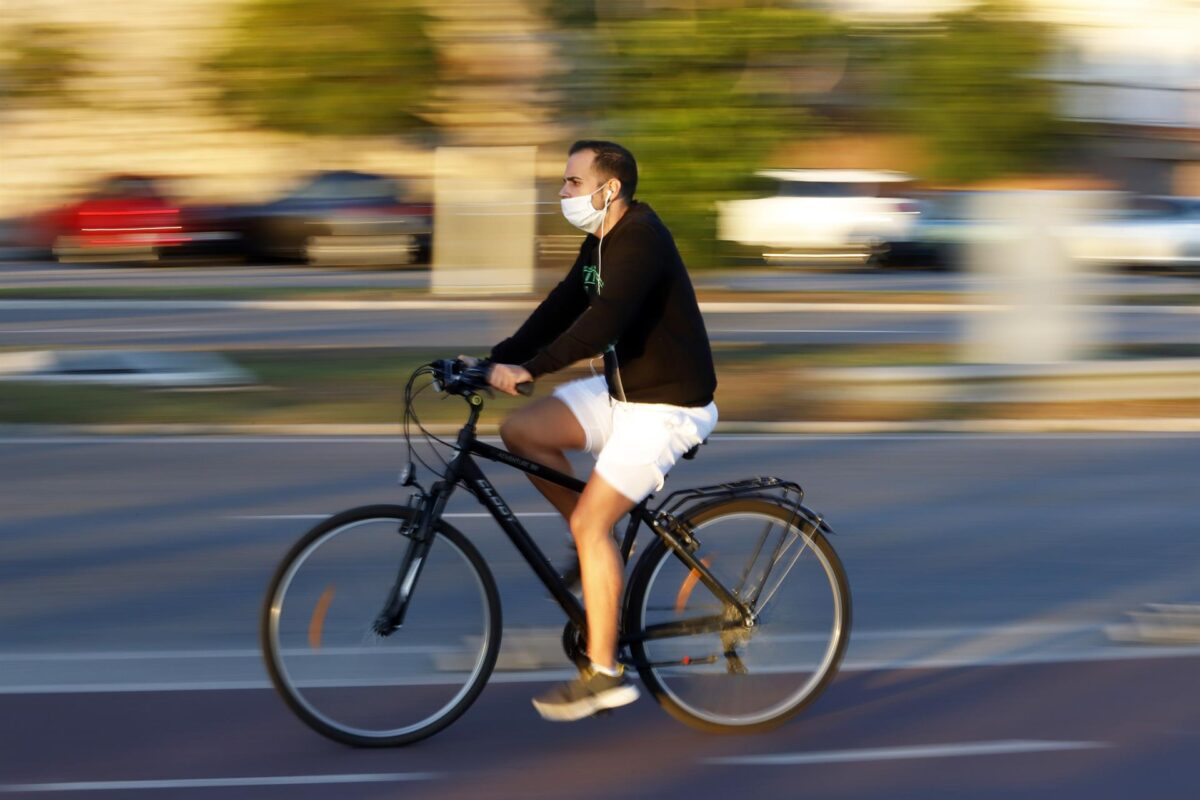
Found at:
(639, 309)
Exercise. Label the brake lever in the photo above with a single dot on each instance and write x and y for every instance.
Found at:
(477, 376)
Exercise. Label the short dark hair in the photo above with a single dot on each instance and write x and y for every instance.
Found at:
(611, 161)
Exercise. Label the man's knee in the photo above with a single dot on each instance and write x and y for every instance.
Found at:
(522, 434)
(584, 527)
(512, 432)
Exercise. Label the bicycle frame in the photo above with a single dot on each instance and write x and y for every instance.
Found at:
(463, 470)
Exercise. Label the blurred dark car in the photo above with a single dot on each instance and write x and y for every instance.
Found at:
(125, 218)
(336, 218)
(941, 232)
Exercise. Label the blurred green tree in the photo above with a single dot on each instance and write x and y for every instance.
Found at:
(350, 67)
(968, 84)
(703, 95)
(700, 97)
(40, 62)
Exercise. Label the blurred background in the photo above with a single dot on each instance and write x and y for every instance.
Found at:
(211, 102)
(1032, 168)
(948, 255)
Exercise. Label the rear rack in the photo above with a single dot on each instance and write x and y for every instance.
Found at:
(789, 493)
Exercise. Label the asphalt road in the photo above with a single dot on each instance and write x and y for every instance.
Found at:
(35, 274)
(985, 571)
(222, 325)
(212, 326)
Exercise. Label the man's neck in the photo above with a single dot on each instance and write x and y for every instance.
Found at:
(616, 210)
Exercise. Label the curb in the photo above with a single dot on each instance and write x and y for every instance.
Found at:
(712, 307)
(763, 428)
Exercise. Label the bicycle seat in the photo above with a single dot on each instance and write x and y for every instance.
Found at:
(690, 454)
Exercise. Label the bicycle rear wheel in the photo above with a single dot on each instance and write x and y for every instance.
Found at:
(341, 678)
(720, 675)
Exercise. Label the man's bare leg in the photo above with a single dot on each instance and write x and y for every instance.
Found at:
(541, 432)
(598, 509)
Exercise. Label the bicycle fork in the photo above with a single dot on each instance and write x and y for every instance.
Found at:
(420, 538)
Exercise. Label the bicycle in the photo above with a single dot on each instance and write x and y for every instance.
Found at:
(382, 624)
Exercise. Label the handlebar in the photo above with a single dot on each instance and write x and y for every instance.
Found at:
(453, 376)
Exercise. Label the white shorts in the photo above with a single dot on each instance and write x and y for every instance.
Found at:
(634, 444)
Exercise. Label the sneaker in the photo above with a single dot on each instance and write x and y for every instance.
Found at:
(589, 693)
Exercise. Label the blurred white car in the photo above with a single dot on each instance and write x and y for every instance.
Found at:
(822, 216)
(1146, 231)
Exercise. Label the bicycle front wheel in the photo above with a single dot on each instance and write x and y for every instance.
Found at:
(692, 650)
(341, 678)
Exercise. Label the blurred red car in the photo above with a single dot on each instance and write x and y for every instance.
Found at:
(126, 218)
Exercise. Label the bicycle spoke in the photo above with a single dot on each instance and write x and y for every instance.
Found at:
(759, 606)
(355, 685)
(712, 670)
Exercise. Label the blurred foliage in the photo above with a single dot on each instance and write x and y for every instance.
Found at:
(968, 85)
(39, 62)
(351, 67)
(700, 98)
(703, 93)
(704, 96)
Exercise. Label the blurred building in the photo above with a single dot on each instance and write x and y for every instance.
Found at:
(1129, 70)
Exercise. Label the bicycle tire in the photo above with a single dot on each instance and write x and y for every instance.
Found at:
(789, 657)
(351, 685)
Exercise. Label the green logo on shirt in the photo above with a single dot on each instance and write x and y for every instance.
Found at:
(591, 279)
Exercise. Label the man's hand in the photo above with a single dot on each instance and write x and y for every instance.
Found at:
(505, 377)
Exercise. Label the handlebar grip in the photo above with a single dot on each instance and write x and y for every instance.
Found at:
(525, 388)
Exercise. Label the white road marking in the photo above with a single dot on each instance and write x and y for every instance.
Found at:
(242, 668)
(799, 330)
(127, 330)
(134, 688)
(215, 783)
(772, 437)
(131, 655)
(707, 307)
(461, 515)
(897, 753)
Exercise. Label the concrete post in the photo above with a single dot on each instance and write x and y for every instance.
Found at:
(1022, 265)
(484, 220)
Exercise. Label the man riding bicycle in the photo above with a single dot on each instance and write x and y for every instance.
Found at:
(627, 296)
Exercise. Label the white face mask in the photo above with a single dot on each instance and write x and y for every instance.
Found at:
(580, 213)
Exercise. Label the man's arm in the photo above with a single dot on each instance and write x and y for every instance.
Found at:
(631, 268)
(552, 316)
